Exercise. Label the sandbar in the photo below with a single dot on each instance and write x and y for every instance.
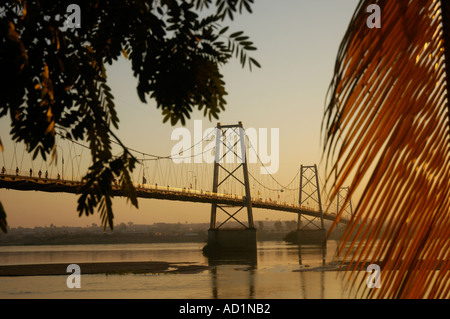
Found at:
(150, 267)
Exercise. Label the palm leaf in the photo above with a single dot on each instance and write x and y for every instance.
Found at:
(387, 133)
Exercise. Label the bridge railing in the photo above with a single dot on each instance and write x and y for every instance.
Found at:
(190, 191)
(43, 175)
(150, 187)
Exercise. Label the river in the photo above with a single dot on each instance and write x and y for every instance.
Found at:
(279, 271)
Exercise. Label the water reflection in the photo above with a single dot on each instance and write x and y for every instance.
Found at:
(235, 275)
(317, 281)
(315, 250)
(312, 250)
(233, 271)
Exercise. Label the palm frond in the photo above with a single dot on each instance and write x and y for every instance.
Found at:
(387, 133)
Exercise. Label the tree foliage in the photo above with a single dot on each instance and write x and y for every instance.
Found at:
(56, 79)
(387, 132)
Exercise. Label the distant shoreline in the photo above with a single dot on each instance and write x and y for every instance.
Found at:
(85, 239)
(117, 238)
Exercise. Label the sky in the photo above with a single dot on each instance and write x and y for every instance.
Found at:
(297, 42)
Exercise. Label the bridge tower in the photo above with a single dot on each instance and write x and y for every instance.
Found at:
(223, 239)
(344, 204)
(310, 230)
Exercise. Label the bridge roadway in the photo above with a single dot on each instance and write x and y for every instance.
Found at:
(157, 192)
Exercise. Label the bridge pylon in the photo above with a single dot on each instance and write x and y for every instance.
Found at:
(344, 204)
(310, 230)
(222, 239)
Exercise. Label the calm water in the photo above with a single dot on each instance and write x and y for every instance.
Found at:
(280, 271)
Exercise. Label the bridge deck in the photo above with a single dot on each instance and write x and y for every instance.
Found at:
(157, 192)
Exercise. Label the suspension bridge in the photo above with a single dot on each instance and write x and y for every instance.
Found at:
(233, 186)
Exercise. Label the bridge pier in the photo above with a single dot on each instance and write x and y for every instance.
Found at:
(311, 236)
(231, 241)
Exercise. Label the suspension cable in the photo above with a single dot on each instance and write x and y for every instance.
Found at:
(282, 186)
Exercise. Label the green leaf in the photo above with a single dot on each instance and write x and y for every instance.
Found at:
(236, 34)
(253, 61)
(240, 39)
(223, 30)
